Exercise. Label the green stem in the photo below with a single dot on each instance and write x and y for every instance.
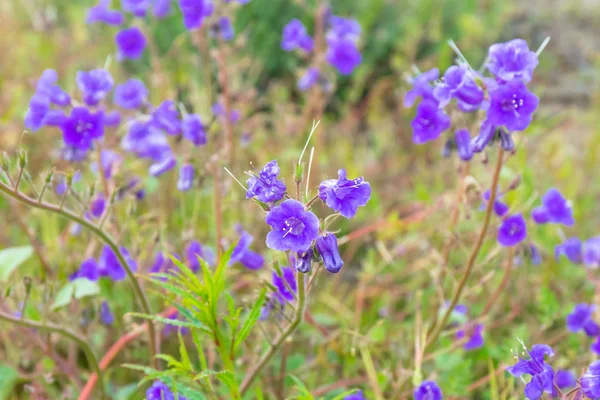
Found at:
(105, 237)
(266, 357)
(89, 354)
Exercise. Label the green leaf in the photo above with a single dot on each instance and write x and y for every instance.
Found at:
(185, 358)
(11, 258)
(79, 288)
(301, 387)
(173, 322)
(8, 380)
(251, 319)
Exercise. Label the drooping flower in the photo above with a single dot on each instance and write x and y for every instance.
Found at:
(512, 106)
(459, 84)
(266, 186)
(485, 136)
(106, 316)
(591, 252)
(512, 231)
(286, 283)
(102, 13)
(555, 208)
(131, 95)
(590, 381)
(293, 228)
(295, 37)
(161, 8)
(356, 396)
(512, 60)
(572, 248)
(534, 253)
(131, 43)
(344, 56)
(542, 375)
(345, 195)
(462, 138)
(82, 127)
(303, 262)
(88, 270)
(226, 28)
(193, 129)
(160, 391)
(194, 250)
(428, 390)
(109, 265)
(310, 77)
(35, 117)
(195, 11)
(166, 117)
(159, 168)
(94, 85)
(327, 247)
(422, 87)
(474, 337)
(343, 29)
(500, 208)
(47, 87)
(242, 253)
(429, 122)
(97, 206)
(186, 177)
(136, 7)
(564, 379)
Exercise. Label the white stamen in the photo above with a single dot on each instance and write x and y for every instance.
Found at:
(314, 127)
(235, 179)
(543, 46)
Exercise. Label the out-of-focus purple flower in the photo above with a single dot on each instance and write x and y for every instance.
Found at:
(342, 29)
(242, 253)
(564, 379)
(590, 381)
(194, 12)
(500, 208)
(136, 7)
(97, 206)
(193, 129)
(310, 77)
(112, 118)
(161, 8)
(287, 279)
(555, 208)
(344, 56)
(163, 166)
(226, 28)
(356, 396)
(303, 262)
(73, 154)
(55, 118)
(106, 316)
(534, 253)
(345, 195)
(422, 87)
(485, 136)
(94, 85)
(186, 177)
(512, 106)
(146, 141)
(512, 231)
(47, 87)
(591, 252)
(102, 13)
(219, 110)
(572, 248)
(462, 138)
(266, 186)
(512, 60)
(131, 43)
(131, 94)
(166, 117)
(61, 186)
(428, 390)
(293, 228)
(595, 347)
(160, 391)
(474, 336)
(82, 127)
(327, 247)
(88, 269)
(35, 118)
(429, 122)
(459, 84)
(542, 375)
(109, 265)
(108, 160)
(294, 37)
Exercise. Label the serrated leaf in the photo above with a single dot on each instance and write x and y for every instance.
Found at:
(185, 358)
(76, 289)
(173, 322)
(250, 320)
(11, 259)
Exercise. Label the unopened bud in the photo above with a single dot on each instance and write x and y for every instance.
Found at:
(22, 156)
(5, 161)
(299, 173)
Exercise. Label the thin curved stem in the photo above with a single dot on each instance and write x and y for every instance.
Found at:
(106, 238)
(266, 357)
(474, 253)
(89, 354)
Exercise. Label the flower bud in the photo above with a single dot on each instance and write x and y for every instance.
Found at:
(5, 161)
(506, 141)
(304, 261)
(186, 178)
(328, 248)
(462, 138)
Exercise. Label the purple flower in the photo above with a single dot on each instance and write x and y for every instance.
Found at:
(462, 138)
(429, 122)
(47, 87)
(590, 381)
(136, 7)
(595, 347)
(94, 85)
(564, 379)
(486, 134)
(572, 248)
(161, 8)
(327, 247)
(303, 262)
(162, 166)
(512, 60)
(88, 270)
(534, 253)
(102, 13)
(131, 43)
(131, 94)
(146, 141)
(555, 208)
(343, 29)
(310, 77)
(512, 106)
(512, 230)
(591, 252)
(344, 56)
(166, 117)
(422, 88)
(194, 12)
(108, 160)
(242, 253)
(82, 128)
(428, 390)
(226, 28)
(293, 228)
(193, 129)
(109, 265)
(194, 250)
(266, 186)
(295, 37)
(112, 118)
(97, 206)
(35, 118)
(355, 396)
(160, 391)
(285, 281)
(500, 208)
(344, 195)
(186, 177)
(474, 336)
(219, 110)
(542, 375)
(106, 315)
(459, 84)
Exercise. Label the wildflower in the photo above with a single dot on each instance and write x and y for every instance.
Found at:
(512, 60)
(474, 336)
(88, 270)
(506, 140)
(219, 110)
(242, 253)
(161, 8)
(106, 315)
(295, 37)
(131, 94)
(186, 177)
(462, 138)
(47, 87)
(485, 136)
(512, 230)
(226, 28)
(590, 381)
(194, 12)
(542, 375)
(428, 390)
(555, 208)
(343, 29)
(146, 141)
(534, 253)
(595, 347)
(35, 118)
(266, 186)
(308, 80)
(160, 391)
(194, 250)
(136, 7)
(97, 206)
(166, 117)
(108, 161)
(355, 396)
(500, 208)
(102, 13)
(572, 248)
(109, 265)
(303, 262)
(344, 56)
(82, 127)
(131, 43)
(345, 195)
(328, 249)
(193, 129)
(421, 87)
(429, 122)
(61, 186)
(112, 118)
(512, 106)
(591, 252)
(159, 168)
(564, 379)
(293, 228)
(286, 283)
(459, 84)
(94, 85)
